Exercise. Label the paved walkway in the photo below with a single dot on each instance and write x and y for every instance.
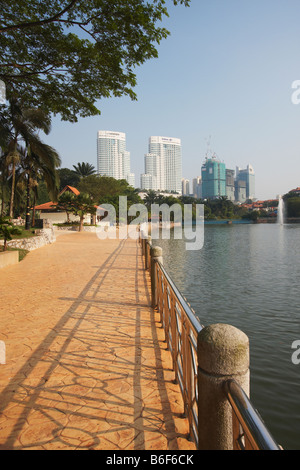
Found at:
(86, 364)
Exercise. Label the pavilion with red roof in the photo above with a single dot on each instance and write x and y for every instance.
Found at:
(48, 210)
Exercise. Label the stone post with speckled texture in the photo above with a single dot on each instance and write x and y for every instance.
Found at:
(223, 354)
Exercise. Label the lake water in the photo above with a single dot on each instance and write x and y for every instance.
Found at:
(248, 275)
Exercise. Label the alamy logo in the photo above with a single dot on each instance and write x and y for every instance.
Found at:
(186, 222)
(296, 95)
(296, 354)
(2, 353)
(2, 92)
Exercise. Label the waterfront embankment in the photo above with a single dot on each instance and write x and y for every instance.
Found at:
(247, 275)
(86, 362)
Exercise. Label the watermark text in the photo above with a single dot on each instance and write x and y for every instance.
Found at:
(185, 222)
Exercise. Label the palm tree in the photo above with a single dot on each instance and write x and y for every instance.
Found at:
(10, 132)
(4, 161)
(13, 158)
(19, 130)
(41, 160)
(84, 169)
(150, 198)
(3, 182)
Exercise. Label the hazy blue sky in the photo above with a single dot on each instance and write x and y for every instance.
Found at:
(226, 71)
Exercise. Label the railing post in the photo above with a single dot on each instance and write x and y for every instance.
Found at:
(156, 255)
(143, 241)
(147, 247)
(223, 353)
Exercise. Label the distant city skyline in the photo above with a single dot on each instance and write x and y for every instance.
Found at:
(163, 169)
(225, 75)
(216, 180)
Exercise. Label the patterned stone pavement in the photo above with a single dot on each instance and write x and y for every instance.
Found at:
(86, 362)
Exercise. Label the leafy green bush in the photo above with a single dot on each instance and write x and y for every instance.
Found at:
(7, 230)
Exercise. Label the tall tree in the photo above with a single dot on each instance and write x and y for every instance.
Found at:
(13, 158)
(3, 182)
(20, 127)
(67, 54)
(41, 159)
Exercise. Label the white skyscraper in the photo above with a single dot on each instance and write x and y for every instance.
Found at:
(148, 182)
(131, 179)
(163, 163)
(197, 187)
(154, 166)
(112, 157)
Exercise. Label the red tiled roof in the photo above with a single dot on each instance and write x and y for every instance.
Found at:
(46, 206)
(70, 188)
(49, 205)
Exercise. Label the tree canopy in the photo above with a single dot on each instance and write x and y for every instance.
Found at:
(67, 54)
(67, 177)
(80, 205)
(105, 189)
(292, 204)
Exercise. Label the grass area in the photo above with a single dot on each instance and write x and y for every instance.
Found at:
(22, 253)
(23, 233)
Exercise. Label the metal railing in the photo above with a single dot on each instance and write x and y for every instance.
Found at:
(249, 430)
(182, 328)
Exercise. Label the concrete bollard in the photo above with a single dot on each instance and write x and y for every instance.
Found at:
(223, 354)
(156, 255)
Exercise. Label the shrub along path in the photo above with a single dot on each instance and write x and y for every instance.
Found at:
(86, 364)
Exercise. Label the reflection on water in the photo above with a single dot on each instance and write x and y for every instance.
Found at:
(248, 276)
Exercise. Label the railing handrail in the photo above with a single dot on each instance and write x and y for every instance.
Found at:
(253, 426)
(254, 433)
(194, 320)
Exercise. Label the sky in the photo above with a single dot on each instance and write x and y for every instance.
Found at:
(223, 79)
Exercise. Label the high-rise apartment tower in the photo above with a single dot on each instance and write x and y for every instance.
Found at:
(163, 166)
(112, 157)
(246, 178)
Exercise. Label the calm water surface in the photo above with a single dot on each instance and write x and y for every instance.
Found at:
(249, 276)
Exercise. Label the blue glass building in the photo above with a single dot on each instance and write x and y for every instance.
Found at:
(213, 174)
